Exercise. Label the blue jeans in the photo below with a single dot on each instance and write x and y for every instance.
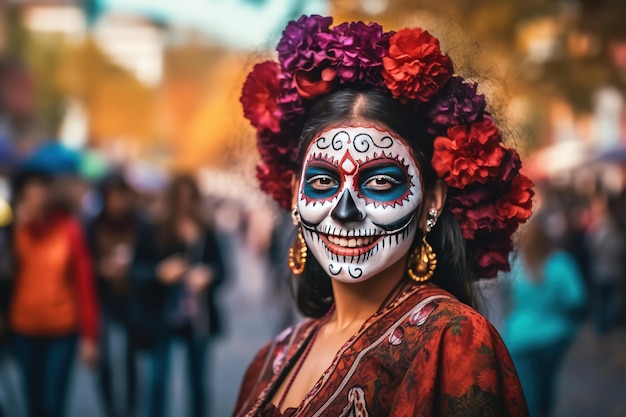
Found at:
(106, 367)
(607, 300)
(538, 371)
(45, 364)
(196, 352)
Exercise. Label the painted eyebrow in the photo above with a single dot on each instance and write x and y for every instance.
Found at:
(384, 168)
(321, 169)
(393, 169)
(322, 159)
(321, 164)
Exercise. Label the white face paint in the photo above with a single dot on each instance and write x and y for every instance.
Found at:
(358, 197)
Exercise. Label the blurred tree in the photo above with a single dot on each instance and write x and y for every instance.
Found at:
(119, 106)
(537, 49)
(202, 112)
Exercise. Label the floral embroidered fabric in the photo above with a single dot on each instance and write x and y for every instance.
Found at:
(427, 354)
(270, 410)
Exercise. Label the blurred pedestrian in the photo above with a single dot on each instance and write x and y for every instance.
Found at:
(281, 289)
(549, 295)
(53, 308)
(5, 297)
(178, 266)
(112, 237)
(606, 243)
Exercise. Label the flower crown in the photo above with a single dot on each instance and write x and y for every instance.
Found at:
(486, 192)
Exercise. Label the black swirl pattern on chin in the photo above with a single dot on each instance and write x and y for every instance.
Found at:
(331, 267)
(355, 272)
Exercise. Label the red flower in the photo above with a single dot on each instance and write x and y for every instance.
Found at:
(275, 180)
(517, 203)
(511, 164)
(259, 97)
(469, 154)
(493, 256)
(277, 147)
(476, 212)
(414, 67)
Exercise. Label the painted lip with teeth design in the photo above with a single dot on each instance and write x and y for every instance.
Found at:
(349, 246)
(357, 243)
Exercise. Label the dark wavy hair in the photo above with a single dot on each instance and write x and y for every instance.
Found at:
(454, 272)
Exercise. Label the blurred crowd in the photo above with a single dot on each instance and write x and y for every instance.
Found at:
(569, 268)
(153, 275)
(88, 253)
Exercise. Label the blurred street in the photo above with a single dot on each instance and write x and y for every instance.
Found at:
(593, 378)
(592, 381)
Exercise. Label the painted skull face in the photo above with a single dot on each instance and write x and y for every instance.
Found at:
(358, 197)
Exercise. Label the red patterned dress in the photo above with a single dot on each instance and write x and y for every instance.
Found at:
(426, 354)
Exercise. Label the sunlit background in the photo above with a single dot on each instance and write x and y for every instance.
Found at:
(156, 82)
(151, 87)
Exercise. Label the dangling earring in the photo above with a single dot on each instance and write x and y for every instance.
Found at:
(423, 260)
(297, 251)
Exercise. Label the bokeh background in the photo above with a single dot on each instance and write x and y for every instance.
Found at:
(150, 88)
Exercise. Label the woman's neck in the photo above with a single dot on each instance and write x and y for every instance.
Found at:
(356, 302)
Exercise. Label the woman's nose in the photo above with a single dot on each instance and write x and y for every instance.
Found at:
(346, 210)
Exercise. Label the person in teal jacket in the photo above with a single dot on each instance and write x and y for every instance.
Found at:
(548, 297)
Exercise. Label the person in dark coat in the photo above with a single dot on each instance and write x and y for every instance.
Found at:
(112, 236)
(176, 269)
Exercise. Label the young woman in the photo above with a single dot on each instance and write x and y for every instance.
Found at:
(404, 194)
(176, 270)
(112, 236)
(53, 308)
(549, 297)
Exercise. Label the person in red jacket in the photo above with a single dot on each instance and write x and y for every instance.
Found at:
(53, 309)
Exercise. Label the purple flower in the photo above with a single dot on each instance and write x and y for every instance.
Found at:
(457, 104)
(299, 46)
(290, 103)
(356, 51)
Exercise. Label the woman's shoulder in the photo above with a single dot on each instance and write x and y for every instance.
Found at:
(561, 264)
(70, 224)
(437, 314)
(560, 257)
(269, 360)
(277, 348)
(442, 302)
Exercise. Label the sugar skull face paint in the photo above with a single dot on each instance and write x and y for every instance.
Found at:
(358, 196)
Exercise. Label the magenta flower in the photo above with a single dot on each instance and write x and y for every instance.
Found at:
(355, 51)
(458, 103)
(290, 103)
(299, 47)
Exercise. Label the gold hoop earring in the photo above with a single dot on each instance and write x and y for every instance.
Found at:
(422, 263)
(423, 260)
(297, 255)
